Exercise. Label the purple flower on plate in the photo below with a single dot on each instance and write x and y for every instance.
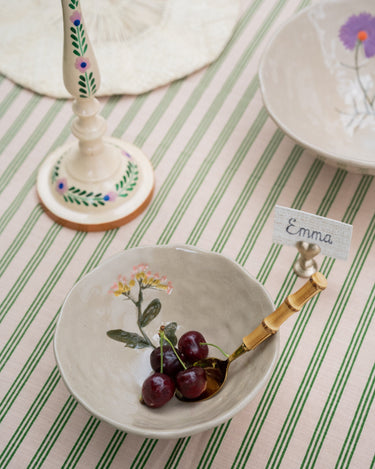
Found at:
(82, 64)
(75, 18)
(61, 186)
(110, 197)
(359, 29)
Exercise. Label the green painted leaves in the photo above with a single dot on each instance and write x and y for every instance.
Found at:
(150, 313)
(128, 181)
(130, 339)
(73, 4)
(136, 341)
(76, 195)
(87, 85)
(133, 340)
(170, 332)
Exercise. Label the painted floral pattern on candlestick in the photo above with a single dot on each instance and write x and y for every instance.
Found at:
(358, 35)
(75, 195)
(73, 4)
(86, 79)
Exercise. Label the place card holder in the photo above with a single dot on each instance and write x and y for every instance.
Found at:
(97, 182)
(305, 264)
(311, 235)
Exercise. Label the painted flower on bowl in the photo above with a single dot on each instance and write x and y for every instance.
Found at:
(82, 64)
(359, 29)
(358, 35)
(133, 289)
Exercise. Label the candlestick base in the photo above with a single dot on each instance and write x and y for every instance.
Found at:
(95, 200)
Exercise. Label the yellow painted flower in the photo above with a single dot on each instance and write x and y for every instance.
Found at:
(122, 287)
(142, 276)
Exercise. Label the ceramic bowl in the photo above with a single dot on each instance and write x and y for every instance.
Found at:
(198, 290)
(318, 83)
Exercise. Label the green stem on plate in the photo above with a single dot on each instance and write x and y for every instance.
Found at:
(138, 304)
(369, 101)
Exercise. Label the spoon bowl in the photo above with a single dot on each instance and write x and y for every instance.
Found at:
(217, 370)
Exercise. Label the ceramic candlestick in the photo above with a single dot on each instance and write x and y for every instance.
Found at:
(98, 182)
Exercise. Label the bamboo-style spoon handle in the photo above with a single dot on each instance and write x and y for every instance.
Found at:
(293, 303)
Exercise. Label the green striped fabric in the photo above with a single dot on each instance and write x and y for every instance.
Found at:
(221, 165)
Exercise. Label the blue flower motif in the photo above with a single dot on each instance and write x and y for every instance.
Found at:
(75, 18)
(110, 197)
(61, 185)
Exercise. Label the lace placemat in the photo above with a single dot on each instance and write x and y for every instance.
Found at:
(139, 45)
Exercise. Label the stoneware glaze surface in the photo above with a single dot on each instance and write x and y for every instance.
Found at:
(203, 291)
(317, 78)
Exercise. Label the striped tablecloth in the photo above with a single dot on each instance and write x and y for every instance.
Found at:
(221, 166)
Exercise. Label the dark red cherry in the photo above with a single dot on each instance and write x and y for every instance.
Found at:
(191, 382)
(157, 390)
(171, 364)
(190, 346)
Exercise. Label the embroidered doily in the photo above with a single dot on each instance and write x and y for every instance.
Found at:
(139, 44)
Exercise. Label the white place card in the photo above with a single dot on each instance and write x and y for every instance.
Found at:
(332, 236)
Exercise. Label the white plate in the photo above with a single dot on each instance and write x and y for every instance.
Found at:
(211, 294)
(311, 90)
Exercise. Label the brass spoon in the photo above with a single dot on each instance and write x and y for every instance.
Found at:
(217, 370)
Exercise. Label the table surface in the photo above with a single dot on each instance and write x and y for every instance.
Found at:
(221, 165)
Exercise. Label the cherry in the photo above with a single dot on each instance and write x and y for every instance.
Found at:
(157, 390)
(190, 346)
(171, 364)
(191, 382)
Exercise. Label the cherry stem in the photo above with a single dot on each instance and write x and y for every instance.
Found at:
(161, 351)
(163, 336)
(216, 346)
